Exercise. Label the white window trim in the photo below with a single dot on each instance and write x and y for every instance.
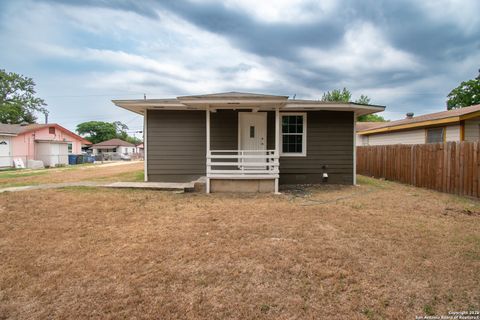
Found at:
(304, 135)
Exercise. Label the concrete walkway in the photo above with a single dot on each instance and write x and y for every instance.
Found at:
(53, 186)
(167, 186)
(164, 186)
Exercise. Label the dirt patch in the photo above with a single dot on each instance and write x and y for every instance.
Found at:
(367, 252)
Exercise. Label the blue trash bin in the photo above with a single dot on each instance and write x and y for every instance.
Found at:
(79, 158)
(72, 159)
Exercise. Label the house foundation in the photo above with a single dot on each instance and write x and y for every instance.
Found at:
(244, 185)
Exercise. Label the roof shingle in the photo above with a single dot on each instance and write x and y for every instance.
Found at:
(425, 117)
(113, 143)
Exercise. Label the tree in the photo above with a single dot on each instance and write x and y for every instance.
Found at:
(344, 95)
(133, 140)
(466, 94)
(337, 95)
(363, 100)
(371, 118)
(98, 131)
(17, 99)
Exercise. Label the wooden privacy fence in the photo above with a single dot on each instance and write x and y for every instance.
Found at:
(451, 167)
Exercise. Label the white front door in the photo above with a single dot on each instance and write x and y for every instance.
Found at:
(252, 134)
(5, 152)
(253, 130)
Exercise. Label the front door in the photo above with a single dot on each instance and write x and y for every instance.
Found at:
(5, 149)
(252, 128)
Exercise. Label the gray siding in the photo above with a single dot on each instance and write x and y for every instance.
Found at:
(176, 145)
(224, 130)
(330, 144)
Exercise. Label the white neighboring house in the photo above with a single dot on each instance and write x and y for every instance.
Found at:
(140, 150)
(452, 125)
(114, 148)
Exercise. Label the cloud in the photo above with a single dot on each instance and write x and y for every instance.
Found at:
(362, 51)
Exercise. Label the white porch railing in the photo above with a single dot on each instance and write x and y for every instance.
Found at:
(242, 164)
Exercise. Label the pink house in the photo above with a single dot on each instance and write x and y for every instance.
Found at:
(50, 143)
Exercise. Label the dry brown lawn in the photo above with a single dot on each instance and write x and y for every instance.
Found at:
(378, 251)
(127, 171)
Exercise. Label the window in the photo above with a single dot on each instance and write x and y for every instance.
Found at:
(252, 132)
(294, 127)
(70, 148)
(51, 130)
(435, 135)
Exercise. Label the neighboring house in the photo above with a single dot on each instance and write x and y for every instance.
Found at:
(452, 125)
(248, 142)
(50, 143)
(114, 147)
(140, 150)
(360, 139)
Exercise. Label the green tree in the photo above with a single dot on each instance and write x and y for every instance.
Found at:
(98, 131)
(371, 118)
(133, 140)
(337, 95)
(466, 94)
(363, 100)
(345, 95)
(17, 99)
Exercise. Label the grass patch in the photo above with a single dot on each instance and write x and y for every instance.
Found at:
(132, 176)
(373, 182)
(22, 173)
(89, 252)
(17, 184)
(81, 188)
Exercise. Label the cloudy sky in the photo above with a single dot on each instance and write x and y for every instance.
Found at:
(406, 55)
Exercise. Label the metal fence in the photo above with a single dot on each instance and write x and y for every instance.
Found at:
(60, 160)
(26, 161)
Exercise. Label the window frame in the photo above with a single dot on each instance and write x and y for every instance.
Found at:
(444, 134)
(304, 135)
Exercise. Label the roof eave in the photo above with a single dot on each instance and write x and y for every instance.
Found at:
(414, 125)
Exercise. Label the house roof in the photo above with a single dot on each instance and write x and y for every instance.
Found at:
(367, 125)
(233, 94)
(17, 129)
(10, 129)
(437, 118)
(113, 143)
(239, 100)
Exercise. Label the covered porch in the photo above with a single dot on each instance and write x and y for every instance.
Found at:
(252, 159)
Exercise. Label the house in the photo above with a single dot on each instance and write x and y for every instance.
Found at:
(361, 126)
(114, 148)
(140, 150)
(248, 142)
(50, 143)
(452, 125)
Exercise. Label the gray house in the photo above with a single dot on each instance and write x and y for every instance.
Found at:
(248, 142)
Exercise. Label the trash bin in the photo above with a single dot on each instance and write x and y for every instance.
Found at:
(72, 159)
(88, 159)
(79, 159)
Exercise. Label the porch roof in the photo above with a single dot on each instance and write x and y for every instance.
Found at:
(239, 100)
